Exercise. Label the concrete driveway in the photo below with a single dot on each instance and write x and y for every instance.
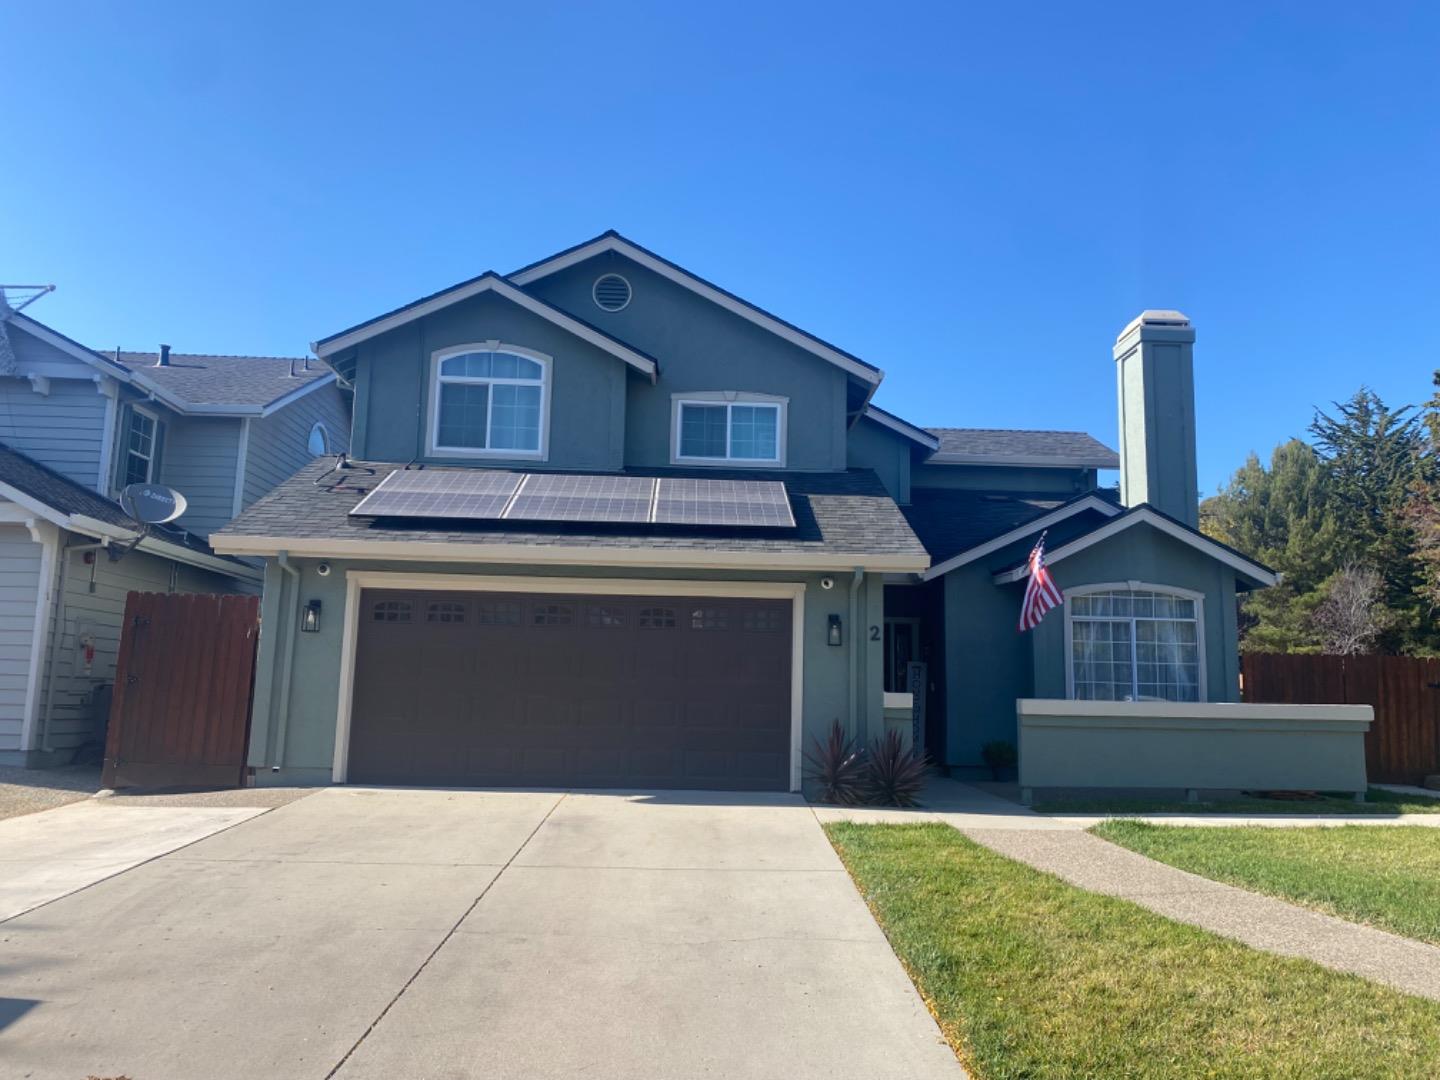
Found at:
(437, 934)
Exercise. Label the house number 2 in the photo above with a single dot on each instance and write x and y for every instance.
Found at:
(874, 633)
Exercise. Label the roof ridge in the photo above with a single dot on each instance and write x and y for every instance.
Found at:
(215, 356)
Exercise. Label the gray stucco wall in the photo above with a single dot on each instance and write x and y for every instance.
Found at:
(702, 347)
(315, 683)
(989, 664)
(587, 393)
(874, 446)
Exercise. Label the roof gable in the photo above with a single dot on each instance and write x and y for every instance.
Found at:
(612, 241)
(1145, 514)
(489, 281)
(957, 528)
(917, 435)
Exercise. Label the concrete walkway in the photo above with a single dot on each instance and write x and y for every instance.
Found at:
(51, 854)
(403, 933)
(1061, 846)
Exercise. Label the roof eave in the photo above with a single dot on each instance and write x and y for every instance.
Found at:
(1026, 461)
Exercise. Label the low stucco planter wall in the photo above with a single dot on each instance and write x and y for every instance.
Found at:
(1123, 744)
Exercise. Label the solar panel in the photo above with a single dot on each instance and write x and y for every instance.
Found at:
(430, 493)
(491, 494)
(560, 497)
(762, 503)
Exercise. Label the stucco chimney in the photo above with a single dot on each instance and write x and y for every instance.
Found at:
(1154, 370)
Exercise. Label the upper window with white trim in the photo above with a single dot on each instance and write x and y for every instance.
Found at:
(141, 448)
(1135, 644)
(730, 429)
(490, 400)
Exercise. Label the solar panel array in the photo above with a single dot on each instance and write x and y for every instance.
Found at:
(487, 494)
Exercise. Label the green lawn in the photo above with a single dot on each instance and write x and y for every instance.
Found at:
(1385, 876)
(1034, 979)
(1378, 801)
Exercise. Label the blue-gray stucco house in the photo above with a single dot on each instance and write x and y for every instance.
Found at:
(531, 599)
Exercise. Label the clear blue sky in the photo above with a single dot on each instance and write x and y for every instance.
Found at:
(975, 197)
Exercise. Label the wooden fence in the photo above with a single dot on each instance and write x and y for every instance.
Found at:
(180, 715)
(1403, 746)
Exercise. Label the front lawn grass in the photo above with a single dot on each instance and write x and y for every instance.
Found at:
(1377, 801)
(1032, 978)
(1385, 876)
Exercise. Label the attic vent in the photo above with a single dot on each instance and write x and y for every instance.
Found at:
(611, 292)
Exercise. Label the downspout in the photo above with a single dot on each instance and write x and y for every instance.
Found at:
(57, 635)
(282, 715)
(855, 640)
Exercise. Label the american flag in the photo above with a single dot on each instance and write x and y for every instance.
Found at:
(1041, 592)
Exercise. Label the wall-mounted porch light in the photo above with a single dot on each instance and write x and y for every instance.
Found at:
(834, 635)
(310, 617)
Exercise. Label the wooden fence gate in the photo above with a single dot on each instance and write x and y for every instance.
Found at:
(1403, 745)
(180, 715)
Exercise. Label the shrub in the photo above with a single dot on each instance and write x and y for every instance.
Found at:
(999, 754)
(836, 766)
(894, 773)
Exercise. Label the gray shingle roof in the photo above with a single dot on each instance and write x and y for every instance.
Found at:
(844, 514)
(965, 444)
(200, 380)
(949, 521)
(61, 493)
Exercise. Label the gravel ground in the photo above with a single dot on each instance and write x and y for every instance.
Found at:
(25, 791)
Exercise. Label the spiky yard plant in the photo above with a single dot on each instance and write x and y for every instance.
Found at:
(894, 773)
(836, 766)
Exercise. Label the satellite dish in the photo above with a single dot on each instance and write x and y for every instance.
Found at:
(152, 504)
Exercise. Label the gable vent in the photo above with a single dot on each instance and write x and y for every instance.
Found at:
(611, 292)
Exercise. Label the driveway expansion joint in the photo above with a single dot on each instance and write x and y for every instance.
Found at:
(449, 934)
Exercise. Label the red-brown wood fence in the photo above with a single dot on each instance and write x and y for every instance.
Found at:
(180, 715)
(1403, 745)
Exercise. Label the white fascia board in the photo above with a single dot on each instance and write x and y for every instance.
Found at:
(732, 304)
(1198, 541)
(163, 548)
(33, 505)
(70, 348)
(685, 559)
(900, 427)
(1090, 502)
(1023, 461)
(186, 408)
(488, 283)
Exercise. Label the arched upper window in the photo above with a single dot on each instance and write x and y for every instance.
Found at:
(319, 442)
(490, 399)
(1135, 642)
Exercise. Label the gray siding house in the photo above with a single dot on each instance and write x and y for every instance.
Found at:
(609, 524)
(76, 426)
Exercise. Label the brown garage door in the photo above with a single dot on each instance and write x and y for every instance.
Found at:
(493, 689)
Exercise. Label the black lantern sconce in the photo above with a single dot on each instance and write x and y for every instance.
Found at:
(310, 617)
(834, 635)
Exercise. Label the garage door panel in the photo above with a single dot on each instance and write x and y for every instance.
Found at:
(558, 690)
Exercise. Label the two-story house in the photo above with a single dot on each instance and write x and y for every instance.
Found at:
(76, 426)
(609, 524)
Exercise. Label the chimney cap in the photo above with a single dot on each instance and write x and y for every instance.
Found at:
(1162, 317)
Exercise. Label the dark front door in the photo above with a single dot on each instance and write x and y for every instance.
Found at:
(507, 689)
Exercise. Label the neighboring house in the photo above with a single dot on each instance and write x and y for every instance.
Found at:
(581, 565)
(76, 426)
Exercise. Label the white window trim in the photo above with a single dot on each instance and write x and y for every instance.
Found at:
(730, 397)
(1134, 586)
(432, 430)
(324, 431)
(125, 450)
(356, 580)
